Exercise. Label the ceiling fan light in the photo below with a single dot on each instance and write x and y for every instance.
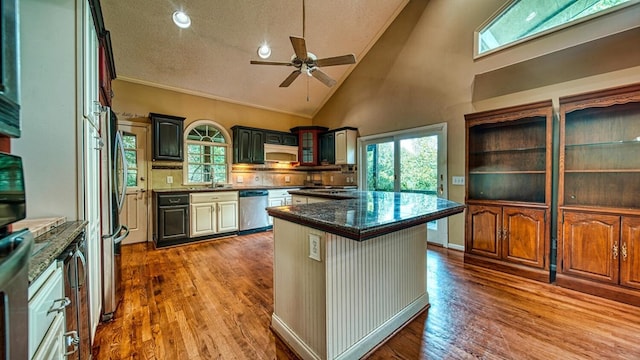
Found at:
(181, 19)
(264, 51)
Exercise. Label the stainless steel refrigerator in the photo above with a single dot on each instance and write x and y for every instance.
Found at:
(113, 175)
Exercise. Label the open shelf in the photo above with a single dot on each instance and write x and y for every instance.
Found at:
(606, 189)
(521, 187)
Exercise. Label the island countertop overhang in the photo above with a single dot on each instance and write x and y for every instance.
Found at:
(369, 214)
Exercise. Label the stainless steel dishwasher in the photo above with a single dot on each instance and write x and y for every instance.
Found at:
(253, 216)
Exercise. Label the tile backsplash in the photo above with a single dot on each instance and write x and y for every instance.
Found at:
(251, 177)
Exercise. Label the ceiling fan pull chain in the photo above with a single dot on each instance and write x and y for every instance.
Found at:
(307, 87)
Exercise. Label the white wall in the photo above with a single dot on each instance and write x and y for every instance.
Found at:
(48, 86)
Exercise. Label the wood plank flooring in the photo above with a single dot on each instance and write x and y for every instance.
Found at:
(213, 300)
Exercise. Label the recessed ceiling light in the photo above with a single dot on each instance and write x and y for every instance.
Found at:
(181, 19)
(264, 51)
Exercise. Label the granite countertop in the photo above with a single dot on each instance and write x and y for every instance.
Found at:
(49, 245)
(238, 188)
(329, 193)
(368, 214)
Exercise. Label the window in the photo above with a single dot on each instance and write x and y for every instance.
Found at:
(413, 160)
(525, 19)
(207, 150)
(129, 141)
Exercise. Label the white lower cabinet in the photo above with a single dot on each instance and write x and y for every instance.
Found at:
(227, 216)
(46, 315)
(301, 199)
(213, 213)
(279, 197)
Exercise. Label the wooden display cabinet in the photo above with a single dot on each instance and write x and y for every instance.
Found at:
(508, 189)
(599, 194)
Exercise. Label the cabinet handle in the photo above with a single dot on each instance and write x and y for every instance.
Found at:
(615, 251)
(59, 305)
(624, 251)
(72, 338)
(174, 201)
(505, 233)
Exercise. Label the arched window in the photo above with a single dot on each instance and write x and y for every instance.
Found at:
(207, 149)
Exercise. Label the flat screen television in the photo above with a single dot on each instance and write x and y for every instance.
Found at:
(12, 194)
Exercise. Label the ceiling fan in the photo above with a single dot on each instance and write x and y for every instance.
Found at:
(306, 62)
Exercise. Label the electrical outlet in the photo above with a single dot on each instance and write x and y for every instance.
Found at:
(314, 247)
(240, 179)
(287, 179)
(169, 179)
(457, 180)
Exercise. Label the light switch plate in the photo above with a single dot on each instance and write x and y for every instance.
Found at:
(240, 179)
(169, 179)
(457, 180)
(314, 247)
(287, 179)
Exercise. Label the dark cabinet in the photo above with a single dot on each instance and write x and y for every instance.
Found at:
(308, 144)
(107, 69)
(248, 145)
(508, 189)
(9, 76)
(328, 148)
(172, 219)
(280, 138)
(168, 141)
(289, 139)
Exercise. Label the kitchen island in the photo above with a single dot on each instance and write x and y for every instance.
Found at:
(349, 273)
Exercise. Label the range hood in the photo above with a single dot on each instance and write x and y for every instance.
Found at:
(280, 153)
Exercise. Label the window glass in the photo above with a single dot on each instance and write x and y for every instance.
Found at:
(524, 19)
(129, 141)
(207, 154)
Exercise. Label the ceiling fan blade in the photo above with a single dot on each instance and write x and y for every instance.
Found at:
(337, 60)
(259, 62)
(299, 47)
(324, 78)
(290, 78)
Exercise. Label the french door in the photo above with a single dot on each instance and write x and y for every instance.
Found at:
(413, 160)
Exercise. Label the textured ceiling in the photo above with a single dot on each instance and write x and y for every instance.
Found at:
(211, 58)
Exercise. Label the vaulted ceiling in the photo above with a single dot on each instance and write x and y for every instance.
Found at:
(211, 58)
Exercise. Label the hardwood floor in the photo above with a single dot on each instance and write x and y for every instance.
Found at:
(213, 300)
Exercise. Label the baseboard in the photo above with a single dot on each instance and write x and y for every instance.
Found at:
(384, 331)
(364, 345)
(291, 339)
(455, 247)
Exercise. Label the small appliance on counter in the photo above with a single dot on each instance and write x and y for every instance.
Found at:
(15, 249)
